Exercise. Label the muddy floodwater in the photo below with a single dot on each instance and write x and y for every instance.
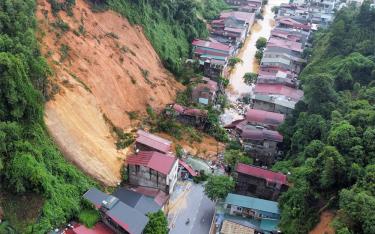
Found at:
(237, 88)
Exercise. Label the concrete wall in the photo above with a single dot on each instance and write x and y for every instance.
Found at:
(257, 187)
(147, 177)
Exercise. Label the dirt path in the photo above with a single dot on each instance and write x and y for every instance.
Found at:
(105, 69)
(323, 227)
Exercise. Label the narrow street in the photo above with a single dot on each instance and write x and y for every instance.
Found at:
(237, 88)
(190, 203)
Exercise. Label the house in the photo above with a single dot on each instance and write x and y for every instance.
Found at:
(153, 169)
(232, 27)
(144, 204)
(276, 98)
(289, 34)
(146, 141)
(161, 198)
(259, 182)
(258, 215)
(116, 215)
(185, 170)
(212, 57)
(263, 118)
(206, 92)
(277, 75)
(190, 116)
(259, 142)
(292, 9)
(290, 22)
(231, 227)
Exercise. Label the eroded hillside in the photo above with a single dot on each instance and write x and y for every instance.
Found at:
(105, 69)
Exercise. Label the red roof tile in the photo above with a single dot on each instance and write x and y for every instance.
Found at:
(153, 141)
(187, 167)
(270, 176)
(277, 89)
(159, 162)
(264, 117)
(99, 228)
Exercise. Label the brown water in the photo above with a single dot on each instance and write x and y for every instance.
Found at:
(237, 87)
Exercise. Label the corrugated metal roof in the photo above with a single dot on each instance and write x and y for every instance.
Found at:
(265, 117)
(230, 227)
(252, 203)
(153, 141)
(159, 162)
(278, 89)
(187, 167)
(274, 177)
(212, 45)
(95, 196)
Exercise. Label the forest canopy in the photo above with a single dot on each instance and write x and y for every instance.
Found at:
(29, 161)
(329, 140)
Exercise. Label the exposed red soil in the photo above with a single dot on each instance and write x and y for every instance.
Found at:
(323, 227)
(110, 70)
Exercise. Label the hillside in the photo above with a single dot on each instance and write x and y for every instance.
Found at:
(329, 140)
(105, 69)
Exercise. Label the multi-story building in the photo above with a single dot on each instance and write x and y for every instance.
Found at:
(259, 182)
(153, 169)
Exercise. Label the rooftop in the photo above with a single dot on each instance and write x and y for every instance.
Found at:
(140, 202)
(238, 15)
(256, 134)
(265, 117)
(95, 196)
(212, 45)
(153, 141)
(252, 203)
(277, 89)
(286, 44)
(157, 161)
(187, 167)
(270, 176)
(230, 227)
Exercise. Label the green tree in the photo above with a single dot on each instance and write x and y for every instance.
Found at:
(250, 78)
(232, 157)
(218, 187)
(233, 61)
(157, 224)
(261, 43)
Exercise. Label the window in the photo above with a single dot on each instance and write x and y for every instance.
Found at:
(239, 208)
(137, 168)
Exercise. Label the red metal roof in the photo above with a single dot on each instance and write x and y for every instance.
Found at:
(270, 176)
(252, 133)
(187, 167)
(99, 228)
(159, 162)
(153, 141)
(277, 89)
(265, 117)
(200, 51)
(286, 44)
(295, 24)
(212, 45)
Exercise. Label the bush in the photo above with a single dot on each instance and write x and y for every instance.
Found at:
(261, 43)
(179, 151)
(89, 217)
(233, 61)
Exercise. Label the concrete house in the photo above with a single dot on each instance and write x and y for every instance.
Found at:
(260, 143)
(277, 75)
(261, 215)
(206, 92)
(146, 141)
(212, 57)
(276, 98)
(269, 120)
(153, 169)
(119, 217)
(232, 27)
(190, 116)
(259, 182)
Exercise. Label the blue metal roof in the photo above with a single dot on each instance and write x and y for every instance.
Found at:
(252, 203)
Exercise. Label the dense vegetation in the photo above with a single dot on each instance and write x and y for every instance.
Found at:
(29, 161)
(330, 139)
(169, 25)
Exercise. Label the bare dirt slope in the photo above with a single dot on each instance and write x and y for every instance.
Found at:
(104, 68)
(323, 227)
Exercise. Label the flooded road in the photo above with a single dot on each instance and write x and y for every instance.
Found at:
(237, 88)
